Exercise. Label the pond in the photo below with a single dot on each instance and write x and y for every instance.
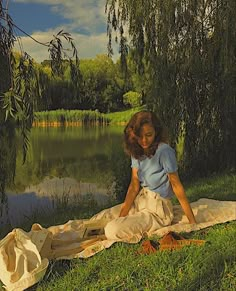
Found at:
(63, 163)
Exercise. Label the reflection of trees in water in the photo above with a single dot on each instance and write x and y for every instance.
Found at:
(74, 155)
(69, 153)
(94, 169)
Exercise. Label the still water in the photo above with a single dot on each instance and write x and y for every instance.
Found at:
(62, 163)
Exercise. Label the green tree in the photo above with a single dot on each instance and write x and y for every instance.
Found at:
(188, 48)
(100, 87)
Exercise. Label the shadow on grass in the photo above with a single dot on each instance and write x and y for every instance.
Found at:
(217, 187)
(56, 269)
(210, 276)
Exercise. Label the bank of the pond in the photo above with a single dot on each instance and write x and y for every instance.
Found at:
(208, 267)
(219, 187)
(56, 118)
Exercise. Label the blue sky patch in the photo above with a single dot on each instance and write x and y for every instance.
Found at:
(33, 17)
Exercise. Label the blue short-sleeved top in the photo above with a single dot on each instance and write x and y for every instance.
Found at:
(152, 172)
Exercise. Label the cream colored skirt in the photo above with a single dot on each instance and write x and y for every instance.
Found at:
(148, 213)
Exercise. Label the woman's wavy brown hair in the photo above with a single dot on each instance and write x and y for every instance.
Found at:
(132, 132)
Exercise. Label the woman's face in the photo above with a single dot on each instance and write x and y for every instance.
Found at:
(146, 136)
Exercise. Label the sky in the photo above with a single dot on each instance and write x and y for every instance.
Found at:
(85, 20)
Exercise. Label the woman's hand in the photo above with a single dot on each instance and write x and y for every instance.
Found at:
(180, 194)
(131, 193)
(124, 210)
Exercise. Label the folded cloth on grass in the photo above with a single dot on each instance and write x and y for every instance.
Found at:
(24, 255)
(170, 241)
(173, 240)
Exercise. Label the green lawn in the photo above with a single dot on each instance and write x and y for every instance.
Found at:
(208, 267)
(122, 116)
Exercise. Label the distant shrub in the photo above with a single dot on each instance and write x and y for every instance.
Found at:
(132, 99)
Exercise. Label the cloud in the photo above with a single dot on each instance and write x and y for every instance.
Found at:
(88, 46)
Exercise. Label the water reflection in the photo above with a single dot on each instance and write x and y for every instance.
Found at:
(62, 165)
(82, 153)
(49, 195)
(20, 208)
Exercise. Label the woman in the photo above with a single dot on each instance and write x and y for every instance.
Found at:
(154, 168)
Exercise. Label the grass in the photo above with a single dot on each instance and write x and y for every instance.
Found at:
(219, 187)
(208, 267)
(77, 117)
(64, 117)
(211, 267)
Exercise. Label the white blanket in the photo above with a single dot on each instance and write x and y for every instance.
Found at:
(24, 256)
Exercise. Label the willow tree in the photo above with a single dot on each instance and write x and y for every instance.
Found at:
(20, 87)
(189, 50)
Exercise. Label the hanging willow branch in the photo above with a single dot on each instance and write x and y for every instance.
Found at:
(188, 48)
(18, 100)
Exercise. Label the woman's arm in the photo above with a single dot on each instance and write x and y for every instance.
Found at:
(180, 194)
(132, 192)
